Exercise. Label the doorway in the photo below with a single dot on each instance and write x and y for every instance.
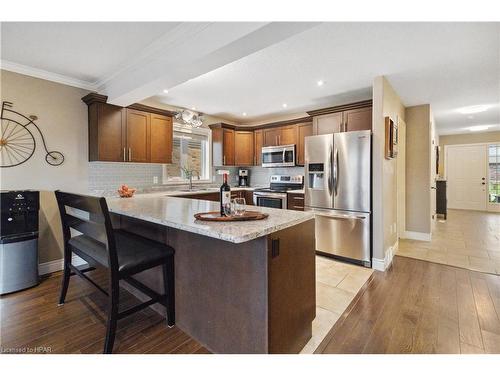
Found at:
(467, 172)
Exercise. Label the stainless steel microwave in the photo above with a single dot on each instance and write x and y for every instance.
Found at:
(278, 156)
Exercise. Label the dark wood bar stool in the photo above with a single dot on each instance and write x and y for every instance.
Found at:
(122, 253)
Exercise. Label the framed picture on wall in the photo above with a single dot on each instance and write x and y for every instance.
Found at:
(391, 138)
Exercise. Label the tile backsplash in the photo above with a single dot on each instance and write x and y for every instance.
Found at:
(108, 176)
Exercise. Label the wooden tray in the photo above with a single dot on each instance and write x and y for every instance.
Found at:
(215, 216)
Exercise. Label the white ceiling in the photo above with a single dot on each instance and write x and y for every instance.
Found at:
(229, 69)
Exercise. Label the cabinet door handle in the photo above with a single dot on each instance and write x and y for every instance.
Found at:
(124, 155)
(129, 154)
(224, 160)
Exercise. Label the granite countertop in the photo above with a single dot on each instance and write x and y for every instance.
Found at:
(179, 213)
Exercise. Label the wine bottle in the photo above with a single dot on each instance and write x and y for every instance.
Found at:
(225, 195)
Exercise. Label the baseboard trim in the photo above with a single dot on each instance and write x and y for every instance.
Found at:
(383, 264)
(58, 265)
(418, 236)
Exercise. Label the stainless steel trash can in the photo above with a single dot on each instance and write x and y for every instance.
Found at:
(18, 240)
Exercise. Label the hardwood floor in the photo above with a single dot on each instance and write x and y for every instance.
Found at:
(421, 307)
(31, 319)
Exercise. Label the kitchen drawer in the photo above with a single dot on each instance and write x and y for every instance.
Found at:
(295, 201)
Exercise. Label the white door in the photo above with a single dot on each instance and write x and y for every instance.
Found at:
(466, 175)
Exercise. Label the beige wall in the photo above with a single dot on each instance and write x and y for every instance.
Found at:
(62, 117)
(418, 168)
(462, 139)
(386, 102)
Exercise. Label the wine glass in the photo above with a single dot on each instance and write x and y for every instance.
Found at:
(228, 209)
(239, 206)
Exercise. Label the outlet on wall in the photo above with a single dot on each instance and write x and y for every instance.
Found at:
(155, 179)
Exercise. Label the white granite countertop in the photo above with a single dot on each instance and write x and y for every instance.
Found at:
(179, 213)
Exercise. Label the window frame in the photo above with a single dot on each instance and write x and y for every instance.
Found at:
(185, 129)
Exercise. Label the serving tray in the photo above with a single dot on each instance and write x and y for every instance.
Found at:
(215, 216)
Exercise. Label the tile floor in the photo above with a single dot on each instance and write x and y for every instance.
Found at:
(467, 239)
(337, 284)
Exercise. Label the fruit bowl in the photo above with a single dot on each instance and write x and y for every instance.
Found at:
(125, 192)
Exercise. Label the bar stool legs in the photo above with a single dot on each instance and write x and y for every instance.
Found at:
(113, 303)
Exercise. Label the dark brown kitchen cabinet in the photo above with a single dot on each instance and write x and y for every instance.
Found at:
(138, 136)
(343, 121)
(222, 145)
(303, 131)
(358, 119)
(271, 137)
(138, 133)
(244, 152)
(107, 133)
(161, 139)
(288, 135)
(258, 142)
(249, 197)
(327, 124)
(295, 201)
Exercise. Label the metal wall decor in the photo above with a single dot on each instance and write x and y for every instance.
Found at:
(190, 118)
(17, 143)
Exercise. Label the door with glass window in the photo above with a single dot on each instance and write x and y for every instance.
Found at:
(493, 177)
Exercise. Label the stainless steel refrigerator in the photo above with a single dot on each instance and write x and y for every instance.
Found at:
(338, 190)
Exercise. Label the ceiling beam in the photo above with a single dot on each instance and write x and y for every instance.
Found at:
(191, 50)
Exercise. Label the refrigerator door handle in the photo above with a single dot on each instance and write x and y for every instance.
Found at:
(330, 174)
(337, 215)
(336, 171)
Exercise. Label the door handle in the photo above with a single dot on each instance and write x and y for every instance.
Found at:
(124, 155)
(129, 154)
(336, 170)
(331, 175)
(224, 160)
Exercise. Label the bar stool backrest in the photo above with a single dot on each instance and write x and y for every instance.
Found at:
(90, 216)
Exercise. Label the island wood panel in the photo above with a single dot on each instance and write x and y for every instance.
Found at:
(244, 148)
(292, 290)
(223, 290)
(161, 139)
(138, 136)
(304, 130)
(258, 138)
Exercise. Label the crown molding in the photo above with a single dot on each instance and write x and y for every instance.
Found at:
(44, 74)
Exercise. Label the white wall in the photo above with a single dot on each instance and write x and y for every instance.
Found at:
(62, 117)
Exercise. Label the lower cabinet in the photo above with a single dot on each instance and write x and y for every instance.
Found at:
(295, 201)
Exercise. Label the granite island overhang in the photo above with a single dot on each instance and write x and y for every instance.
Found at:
(240, 287)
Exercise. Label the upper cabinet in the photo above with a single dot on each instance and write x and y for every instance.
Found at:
(223, 145)
(280, 136)
(326, 124)
(348, 117)
(137, 133)
(271, 137)
(161, 139)
(258, 143)
(304, 130)
(244, 152)
(358, 119)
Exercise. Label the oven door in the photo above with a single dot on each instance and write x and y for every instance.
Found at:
(272, 200)
(278, 156)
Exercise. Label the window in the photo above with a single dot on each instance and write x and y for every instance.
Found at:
(494, 173)
(191, 150)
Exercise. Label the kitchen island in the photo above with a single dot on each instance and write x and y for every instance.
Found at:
(240, 287)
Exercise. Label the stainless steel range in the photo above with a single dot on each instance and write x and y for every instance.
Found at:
(275, 195)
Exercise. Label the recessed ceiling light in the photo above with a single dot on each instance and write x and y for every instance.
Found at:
(244, 113)
(474, 109)
(320, 83)
(165, 91)
(478, 128)
(285, 105)
(193, 108)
